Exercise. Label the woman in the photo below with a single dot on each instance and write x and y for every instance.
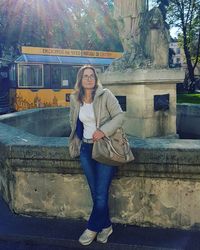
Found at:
(84, 103)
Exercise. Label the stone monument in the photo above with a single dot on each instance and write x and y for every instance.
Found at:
(129, 15)
(141, 78)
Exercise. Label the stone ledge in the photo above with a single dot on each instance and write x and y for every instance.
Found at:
(143, 76)
(153, 157)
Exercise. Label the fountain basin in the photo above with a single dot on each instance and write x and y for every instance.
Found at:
(188, 120)
(160, 188)
(45, 122)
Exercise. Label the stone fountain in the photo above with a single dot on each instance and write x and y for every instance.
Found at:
(160, 188)
(38, 177)
(141, 78)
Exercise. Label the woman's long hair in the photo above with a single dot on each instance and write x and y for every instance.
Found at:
(78, 86)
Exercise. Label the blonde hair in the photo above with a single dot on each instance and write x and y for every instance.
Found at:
(78, 86)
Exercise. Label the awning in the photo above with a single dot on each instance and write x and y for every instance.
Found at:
(24, 58)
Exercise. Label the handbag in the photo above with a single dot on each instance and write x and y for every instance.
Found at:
(113, 150)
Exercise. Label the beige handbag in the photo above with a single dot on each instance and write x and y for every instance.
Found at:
(113, 150)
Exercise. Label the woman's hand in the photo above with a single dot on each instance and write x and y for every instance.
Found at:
(98, 134)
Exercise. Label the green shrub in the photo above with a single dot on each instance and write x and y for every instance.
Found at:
(188, 98)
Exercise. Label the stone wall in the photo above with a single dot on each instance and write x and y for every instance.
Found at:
(160, 188)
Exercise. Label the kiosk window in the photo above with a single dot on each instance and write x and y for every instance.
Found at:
(65, 76)
(56, 76)
(68, 76)
(12, 73)
(30, 76)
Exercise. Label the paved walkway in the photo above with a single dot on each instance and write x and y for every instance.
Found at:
(30, 233)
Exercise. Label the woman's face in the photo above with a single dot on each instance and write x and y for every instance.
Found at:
(88, 79)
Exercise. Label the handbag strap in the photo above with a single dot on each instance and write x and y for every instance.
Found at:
(107, 138)
(99, 114)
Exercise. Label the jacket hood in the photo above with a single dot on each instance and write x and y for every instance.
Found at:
(100, 90)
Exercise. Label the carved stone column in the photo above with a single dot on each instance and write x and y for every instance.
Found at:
(128, 14)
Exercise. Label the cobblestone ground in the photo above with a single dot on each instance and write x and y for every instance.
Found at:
(31, 233)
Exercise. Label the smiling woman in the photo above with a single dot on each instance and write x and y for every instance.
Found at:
(88, 82)
(88, 98)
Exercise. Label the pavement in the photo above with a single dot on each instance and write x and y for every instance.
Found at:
(19, 232)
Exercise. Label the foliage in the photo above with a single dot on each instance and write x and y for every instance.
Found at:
(75, 24)
(188, 98)
(185, 14)
(162, 5)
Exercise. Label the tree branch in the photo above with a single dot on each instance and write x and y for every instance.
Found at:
(188, 12)
(190, 15)
(198, 51)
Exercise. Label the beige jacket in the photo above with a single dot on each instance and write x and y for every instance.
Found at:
(112, 116)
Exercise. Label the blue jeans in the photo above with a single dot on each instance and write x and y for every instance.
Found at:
(99, 177)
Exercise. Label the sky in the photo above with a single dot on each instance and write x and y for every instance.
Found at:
(174, 32)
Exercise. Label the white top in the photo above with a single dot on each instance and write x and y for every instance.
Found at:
(86, 116)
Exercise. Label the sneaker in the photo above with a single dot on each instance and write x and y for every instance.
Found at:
(87, 237)
(102, 237)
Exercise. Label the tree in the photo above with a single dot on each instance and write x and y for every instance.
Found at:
(7, 41)
(75, 24)
(19, 25)
(162, 5)
(95, 27)
(185, 14)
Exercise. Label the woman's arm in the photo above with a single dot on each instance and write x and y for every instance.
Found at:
(116, 114)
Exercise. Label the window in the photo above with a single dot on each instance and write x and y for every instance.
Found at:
(47, 76)
(56, 76)
(59, 76)
(72, 72)
(63, 76)
(68, 76)
(30, 76)
(99, 70)
(177, 60)
(12, 73)
(178, 51)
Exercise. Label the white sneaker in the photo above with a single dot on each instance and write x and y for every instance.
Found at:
(102, 237)
(87, 237)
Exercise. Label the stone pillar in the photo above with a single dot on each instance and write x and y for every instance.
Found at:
(142, 89)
